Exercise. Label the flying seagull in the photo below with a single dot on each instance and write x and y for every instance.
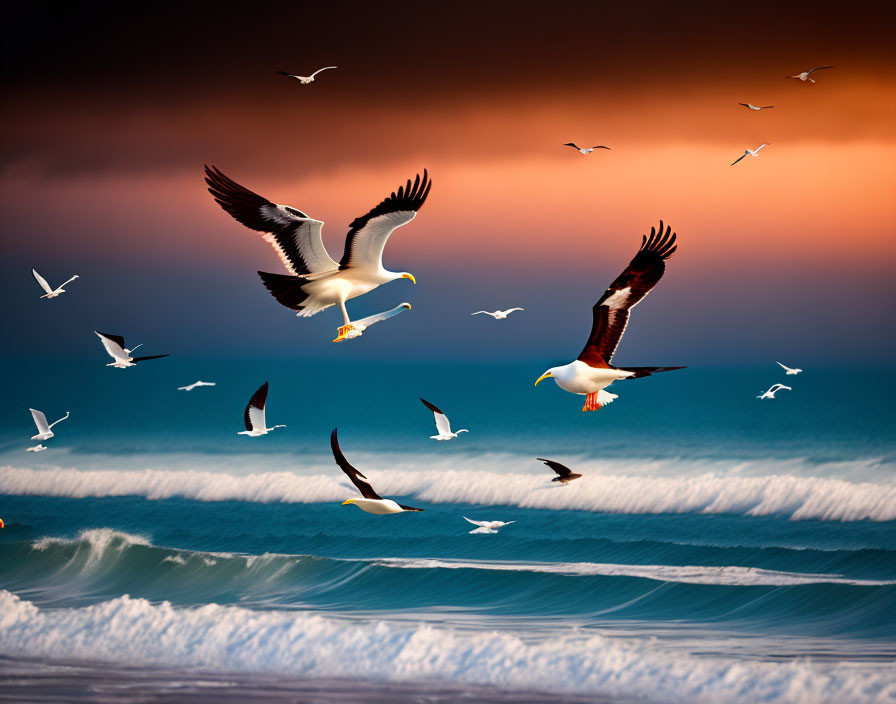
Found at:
(304, 80)
(253, 416)
(372, 502)
(754, 107)
(359, 326)
(787, 370)
(195, 384)
(805, 75)
(775, 388)
(592, 371)
(751, 152)
(114, 345)
(584, 150)
(36, 448)
(315, 280)
(564, 473)
(442, 425)
(50, 292)
(498, 314)
(43, 430)
(487, 526)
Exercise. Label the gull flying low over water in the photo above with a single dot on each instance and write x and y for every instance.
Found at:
(304, 80)
(751, 152)
(498, 314)
(371, 501)
(50, 292)
(315, 280)
(442, 425)
(584, 150)
(114, 345)
(36, 448)
(359, 326)
(487, 526)
(564, 473)
(253, 416)
(775, 388)
(592, 371)
(805, 75)
(194, 385)
(756, 107)
(787, 370)
(44, 431)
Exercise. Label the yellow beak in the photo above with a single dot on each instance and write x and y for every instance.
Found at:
(543, 377)
(411, 277)
(348, 501)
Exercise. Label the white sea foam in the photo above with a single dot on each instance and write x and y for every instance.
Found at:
(689, 574)
(234, 639)
(799, 497)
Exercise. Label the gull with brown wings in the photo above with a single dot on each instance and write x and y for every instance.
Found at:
(591, 372)
(315, 280)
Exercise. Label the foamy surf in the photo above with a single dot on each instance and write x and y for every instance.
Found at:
(228, 638)
(797, 497)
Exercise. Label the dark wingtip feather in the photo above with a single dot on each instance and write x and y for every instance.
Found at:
(430, 406)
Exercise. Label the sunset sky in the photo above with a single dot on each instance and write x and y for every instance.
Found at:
(108, 117)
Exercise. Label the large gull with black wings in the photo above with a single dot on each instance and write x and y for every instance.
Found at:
(315, 280)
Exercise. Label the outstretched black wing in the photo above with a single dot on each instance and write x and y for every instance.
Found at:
(368, 234)
(152, 356)
(610, 313)
(253, 416)
(561, 469)
(358, 479)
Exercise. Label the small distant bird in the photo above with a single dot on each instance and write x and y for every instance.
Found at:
(787, 370)
(43, 430)
(50, 292)
(195, 384)
(442, 425)
(498, 314)
(253, 416)
(359, 326)
(372, 502)
(775, 388)
(591, 372)
(36, 448)
(316, 281)
(584, 150)
(114, 345)
(487, 526)
(564, 473)
(304, 80)
(754, 107)
(804, 76)
(751, 152)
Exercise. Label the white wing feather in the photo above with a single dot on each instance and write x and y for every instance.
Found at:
(256, 418)
(442, 424)
(40, 420)
(42, 281)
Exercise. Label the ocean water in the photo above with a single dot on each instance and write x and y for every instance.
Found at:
(717, 549)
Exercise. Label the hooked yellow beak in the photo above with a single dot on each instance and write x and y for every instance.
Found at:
(411, 277)
(348, 501)
(543, 377)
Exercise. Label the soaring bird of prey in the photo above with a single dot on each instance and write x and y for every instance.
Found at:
(592, 371)
(50, 292)
(751, 152)
(756, 107)
(304, 80)
(315, 281)
(584, 150)
(121, 356)
(371, 501)
(805, 75)
(564, 473)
